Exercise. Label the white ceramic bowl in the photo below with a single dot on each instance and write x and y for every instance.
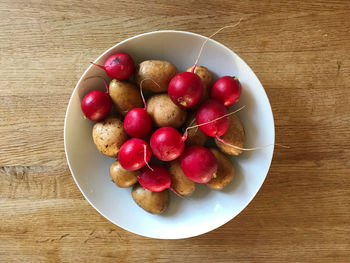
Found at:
(206, 209)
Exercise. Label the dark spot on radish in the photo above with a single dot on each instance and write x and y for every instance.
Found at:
(116, 60)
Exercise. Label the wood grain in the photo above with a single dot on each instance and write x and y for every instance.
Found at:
(300, 50)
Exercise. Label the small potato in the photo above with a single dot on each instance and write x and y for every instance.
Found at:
(225, 172)
(234, 135)
(122, 177)
(195, 136)
(153, 202)
(157, 71)
(109, 135)
(206, 78)
(180, 183)
(164, 112)
(125, 96)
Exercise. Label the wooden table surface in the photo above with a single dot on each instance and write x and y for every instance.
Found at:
(300, 50)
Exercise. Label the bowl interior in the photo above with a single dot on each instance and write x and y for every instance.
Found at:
(206, 209)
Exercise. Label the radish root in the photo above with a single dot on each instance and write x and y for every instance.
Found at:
(192, 123)
(106, 84)
(143, 98)
(144, 157)
(249, 149)
(149, 79)
(200, 51)
(97, 65)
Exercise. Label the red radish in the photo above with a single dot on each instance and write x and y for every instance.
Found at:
(97, 104)
(137, 122)
(199, 164)
(209, 111)
(134, 154)
(185, 89)
(118, 66)
(227, 90)
(167, 143)
(156, 178)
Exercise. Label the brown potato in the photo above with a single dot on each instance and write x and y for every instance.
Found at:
(195, 136)
(180, 183)
(234, 135)
(225, 172)
(109, 135)
(122, 177)
(164, 112)
(153, 202)
(206, 78)
(125, 96)
(160, 72)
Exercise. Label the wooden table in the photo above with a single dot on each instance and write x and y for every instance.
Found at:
(300, 50)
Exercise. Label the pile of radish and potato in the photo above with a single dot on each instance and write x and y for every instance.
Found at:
(160, 143)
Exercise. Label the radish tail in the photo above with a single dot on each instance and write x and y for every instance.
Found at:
(143, 98)
(200, 51)
(248, 149)
(145, 159)
(98, 65)
(106, 84)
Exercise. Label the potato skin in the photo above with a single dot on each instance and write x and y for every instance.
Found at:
(164, 112)
(109, 135)
(152, 202)
(180, 183)
(159, 71)
(235, 135)
(206, 78)
(225, 172)
(195, 136)
(125, 96)
(122, 177)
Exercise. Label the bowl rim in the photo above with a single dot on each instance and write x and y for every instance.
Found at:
(78, 84)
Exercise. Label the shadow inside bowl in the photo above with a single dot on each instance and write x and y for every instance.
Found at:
(201, 192)
(175, 205)
(237, 182)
